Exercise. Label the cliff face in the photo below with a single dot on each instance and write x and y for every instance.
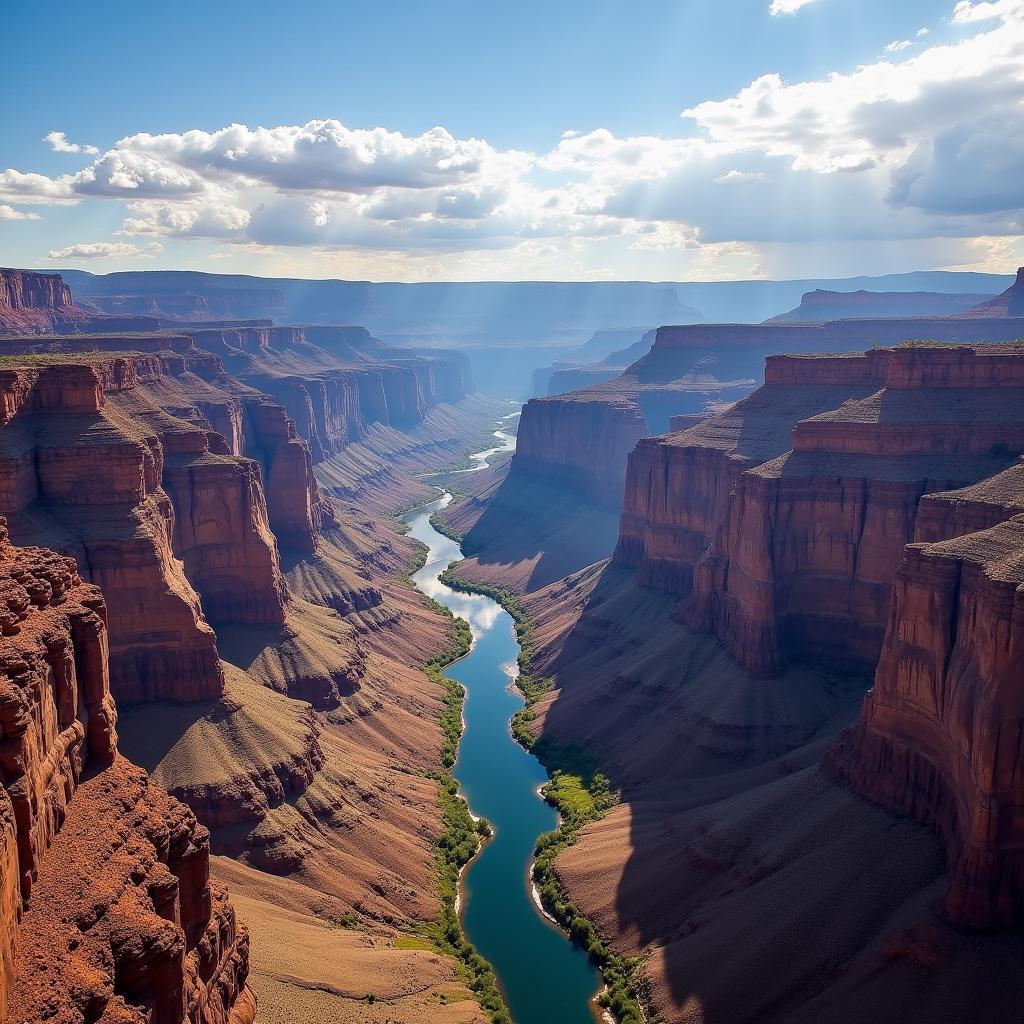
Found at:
(582, 443)
(157, 508)
(1007, 304)
(803, 568)
(106, 910)
(689, 369)
(790, 554)
(337, 382)
(939, 737)
(90, 482)
(42, 303)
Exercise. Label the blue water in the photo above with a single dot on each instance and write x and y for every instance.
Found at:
(545, 979)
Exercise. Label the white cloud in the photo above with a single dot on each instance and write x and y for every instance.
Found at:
(787, 6)
(105, 251)
(31, 187)
(967, 12)
(921, 33)
(932, 141)
(880, 111)
(735, 177)
(60, 143)
(9, 213)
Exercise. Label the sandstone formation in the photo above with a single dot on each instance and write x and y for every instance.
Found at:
(34, 303)
(939, 738)
(856, 511)
(1009, 303)
(108, 912)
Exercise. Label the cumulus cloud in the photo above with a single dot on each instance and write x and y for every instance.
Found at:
(105, 251)
(881, 110)
(10, 213)
(60, 143)
(931, 140)
(787, 6)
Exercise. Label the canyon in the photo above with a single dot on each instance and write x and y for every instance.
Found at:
(771, 578)
(265, 654)
(857, 518)
(555, 507)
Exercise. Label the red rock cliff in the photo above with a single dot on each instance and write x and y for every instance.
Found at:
(94, 462)
(940, 736)
(106, 907)
(802, 569)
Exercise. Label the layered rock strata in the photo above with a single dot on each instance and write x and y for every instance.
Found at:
(940, 733)
(41, 303)
(107, 909)
(790, 554)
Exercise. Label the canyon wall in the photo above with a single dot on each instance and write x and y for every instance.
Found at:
(782, 519)
(822, 304)
(42, 303)
(690, 369)
(157, 508)
(940, 733)
(863, 511)
(106, 905)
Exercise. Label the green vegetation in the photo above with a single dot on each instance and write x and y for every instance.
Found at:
(443, 528)
(461, 836)
(414, 942)
(459, 844)
(580, 793)
(57, 358)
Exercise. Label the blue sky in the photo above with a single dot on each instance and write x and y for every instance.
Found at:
(790, 161)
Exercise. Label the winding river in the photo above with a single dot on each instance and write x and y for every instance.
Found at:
(545, 979)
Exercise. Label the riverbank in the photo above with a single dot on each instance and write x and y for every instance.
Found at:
(545, 978)
(580, 794)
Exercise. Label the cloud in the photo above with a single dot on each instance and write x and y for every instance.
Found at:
(787, 6)
(966, 12)
(31, 187)
(969, 168)
(60, 143)
(9, 213)
(735, 177)
(104, 251)
(930, 140)
(880, 111)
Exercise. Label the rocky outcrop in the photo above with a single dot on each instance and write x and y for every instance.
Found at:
(582, 443)
(76, 475)
(802, 567)
(158, 509)
(106, 906)
(42, 303)
(787, 514)
(940, 734)
(222, 534)
(1007, 304)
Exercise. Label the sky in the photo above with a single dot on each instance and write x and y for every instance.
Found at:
(483, 140)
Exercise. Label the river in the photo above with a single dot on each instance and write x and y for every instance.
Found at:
(545, 979)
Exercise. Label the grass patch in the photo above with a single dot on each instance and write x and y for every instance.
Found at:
(414, 942)
(580, 793)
